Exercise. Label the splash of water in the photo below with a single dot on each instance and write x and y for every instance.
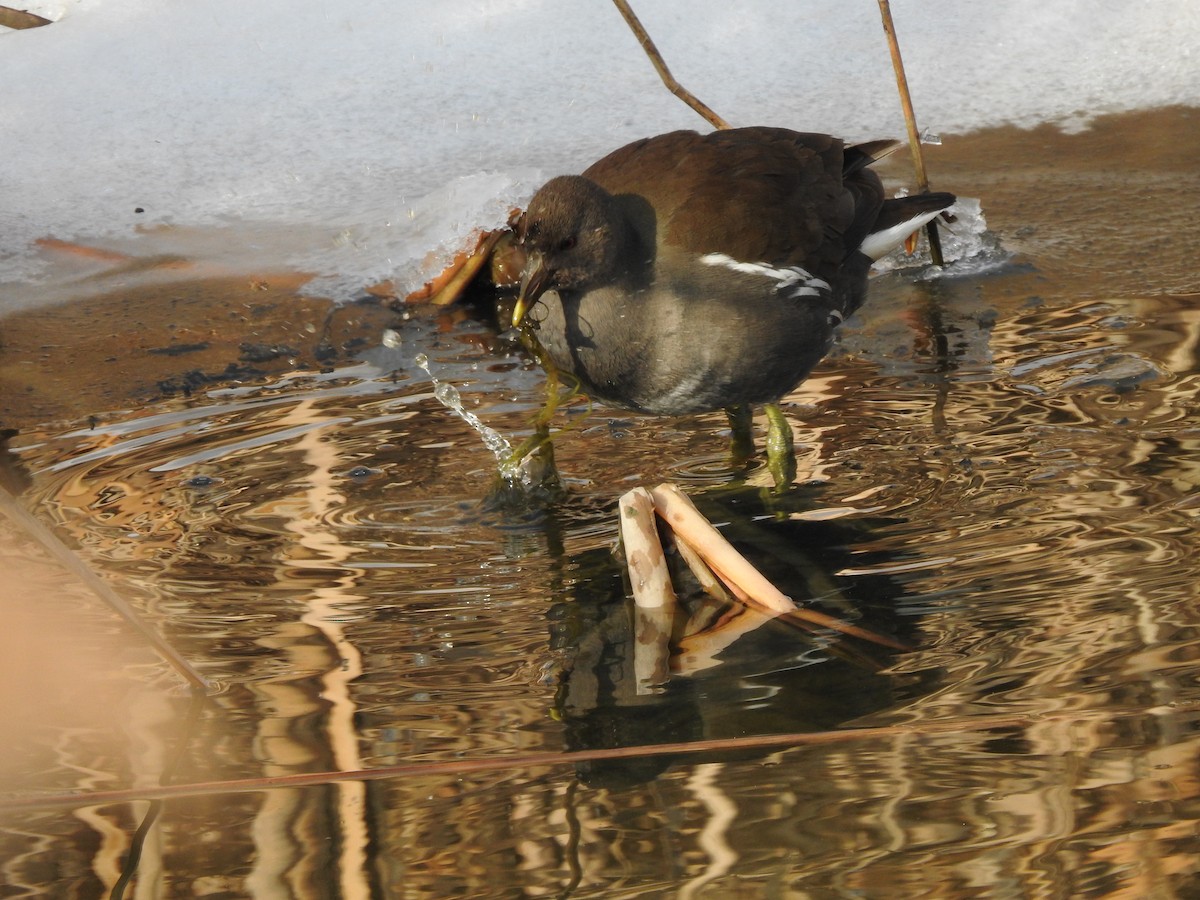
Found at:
(968, 247)
(448, 395)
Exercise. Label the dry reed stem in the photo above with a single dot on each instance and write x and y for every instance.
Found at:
(910, 119)
(708, 579)
(653, 596)
(550, 759)
(644, 556)
(687, 522)
(664, 73)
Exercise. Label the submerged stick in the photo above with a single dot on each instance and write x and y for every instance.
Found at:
(73, 564)
(910, 119)
(664, 73)
(552, 758)
(699, 651)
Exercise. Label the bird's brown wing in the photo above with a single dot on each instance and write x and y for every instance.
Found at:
(755, 194)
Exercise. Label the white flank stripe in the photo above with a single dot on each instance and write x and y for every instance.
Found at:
(806, 284)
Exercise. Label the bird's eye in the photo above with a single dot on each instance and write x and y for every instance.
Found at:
(567, 243)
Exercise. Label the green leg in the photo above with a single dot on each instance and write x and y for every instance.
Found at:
(741, 439)
(553, 377)
(781, 455)
(533, 461)
(535, 456)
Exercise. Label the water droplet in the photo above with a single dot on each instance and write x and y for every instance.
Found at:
(391, 338)
(448, 395)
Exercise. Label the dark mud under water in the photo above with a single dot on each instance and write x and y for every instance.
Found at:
(1000, 468)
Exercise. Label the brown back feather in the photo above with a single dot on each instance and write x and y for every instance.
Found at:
(757, 194)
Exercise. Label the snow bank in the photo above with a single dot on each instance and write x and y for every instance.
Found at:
(350, 139)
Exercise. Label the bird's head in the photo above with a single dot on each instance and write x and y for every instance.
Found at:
(571, 234)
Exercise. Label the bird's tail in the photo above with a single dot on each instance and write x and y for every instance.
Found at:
(901, 217)
(858, 156)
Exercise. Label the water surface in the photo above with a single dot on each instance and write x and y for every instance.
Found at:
(999, 469)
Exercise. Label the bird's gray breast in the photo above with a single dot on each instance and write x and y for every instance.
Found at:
(696, 339)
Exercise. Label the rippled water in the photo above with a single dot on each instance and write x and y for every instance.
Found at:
(1004, 480)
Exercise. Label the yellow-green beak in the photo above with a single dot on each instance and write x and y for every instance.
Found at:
(534, 279)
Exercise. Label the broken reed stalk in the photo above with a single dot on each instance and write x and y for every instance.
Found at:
(653, 595)
(73, 564)
(703, 573)
(644, 555)
(910, 119)
(736, 571)
(664, 73)
(690, 526)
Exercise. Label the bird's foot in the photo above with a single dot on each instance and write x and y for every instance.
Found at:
(528, 477)
(532, 462)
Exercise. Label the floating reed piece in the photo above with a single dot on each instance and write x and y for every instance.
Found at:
(19, 19)
(910, 119)
(664, 73)
(454, 280)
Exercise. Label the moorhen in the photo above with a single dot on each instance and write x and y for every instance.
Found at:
(691, 272)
